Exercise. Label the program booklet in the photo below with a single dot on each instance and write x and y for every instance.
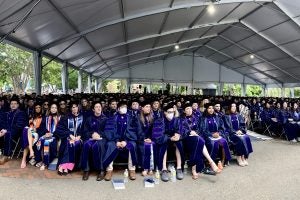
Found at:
(149, 182)
(118, 184)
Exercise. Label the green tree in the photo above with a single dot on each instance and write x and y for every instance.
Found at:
(253, 90)
(16, 67)
(51, 75)
(73, 78)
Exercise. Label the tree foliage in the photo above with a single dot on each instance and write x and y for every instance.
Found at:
(16, 67)
(51, 75)
(232, 89)
(253, 90)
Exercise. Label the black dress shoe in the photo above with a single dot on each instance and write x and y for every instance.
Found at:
(208, 171)
(85, 176)
(100, 176)
(60, 173)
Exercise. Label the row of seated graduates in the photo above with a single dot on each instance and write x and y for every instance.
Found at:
(109, 101)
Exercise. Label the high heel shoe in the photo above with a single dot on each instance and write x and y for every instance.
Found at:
(240, 162)
(220, 165)
(60, 173)
(215, 168)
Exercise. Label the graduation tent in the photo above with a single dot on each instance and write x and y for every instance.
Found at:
(248, 41)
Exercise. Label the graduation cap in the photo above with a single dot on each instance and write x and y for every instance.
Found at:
(168, 106)
(122, 103)
(38, 103)
(53, 103)
(144, 103)
(74, 102)
(207, 105)
(14, 98)
(186, 105)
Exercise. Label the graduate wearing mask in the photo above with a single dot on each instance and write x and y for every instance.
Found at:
(168, 132)
(121, 133)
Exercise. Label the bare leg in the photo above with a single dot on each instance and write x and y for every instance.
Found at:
(178, 158)
(211, 162)
(165, 162)
(206, 154)
(195, 175)
(23, 162)
(30, 142)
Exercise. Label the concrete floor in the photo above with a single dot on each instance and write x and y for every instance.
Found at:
(273, 173)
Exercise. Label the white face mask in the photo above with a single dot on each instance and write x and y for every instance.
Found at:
(123, 110)
(170, 116)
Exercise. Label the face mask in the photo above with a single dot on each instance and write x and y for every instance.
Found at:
(170, 116)
(123, 110)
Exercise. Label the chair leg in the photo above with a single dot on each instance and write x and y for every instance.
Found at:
(15, 148)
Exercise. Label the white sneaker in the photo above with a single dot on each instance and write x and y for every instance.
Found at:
(293, 141)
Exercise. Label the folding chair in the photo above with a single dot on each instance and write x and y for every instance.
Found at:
(267, 130)
(17, 150)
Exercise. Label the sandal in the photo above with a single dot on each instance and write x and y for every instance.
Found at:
(215, 168)
(32, 161)
(43, 167)
(144, 173)
(39, 164)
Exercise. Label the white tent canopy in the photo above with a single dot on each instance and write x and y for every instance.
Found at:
(259, 40)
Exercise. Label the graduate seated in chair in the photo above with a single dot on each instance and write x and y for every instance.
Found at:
(47, 143)
(195, 143)
(94, 142)
(69, 131)
(121, 133)
(145, 144)
(169, 132)
(11, 126)
(212, 128)
(31, 136)
(235, 126)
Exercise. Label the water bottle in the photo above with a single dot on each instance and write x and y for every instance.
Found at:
(186, 167)
(157, 177)
(126, 176)
(173, 174)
